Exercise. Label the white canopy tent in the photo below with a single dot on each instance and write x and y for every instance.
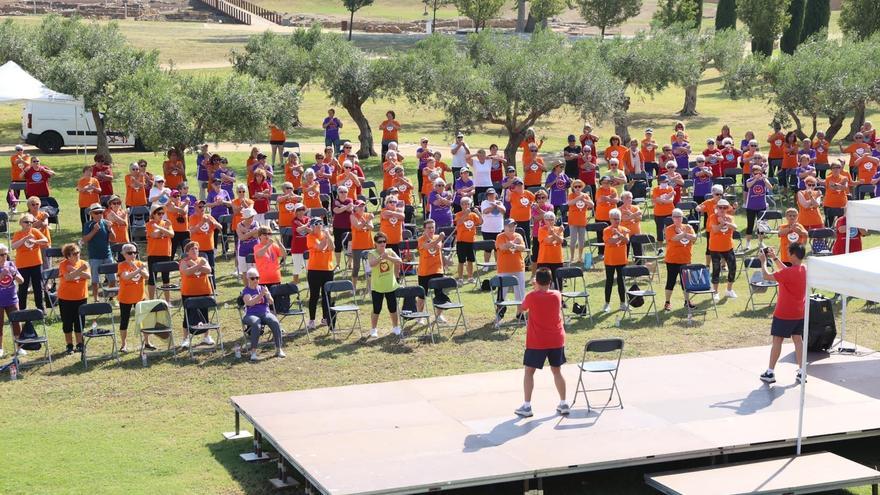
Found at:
(850, 275)
(19, 85)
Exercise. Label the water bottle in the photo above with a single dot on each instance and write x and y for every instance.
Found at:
(13, 371)
(94, 328)
(144, 359)
(237, 351)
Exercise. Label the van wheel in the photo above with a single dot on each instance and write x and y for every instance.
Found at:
(50, 142)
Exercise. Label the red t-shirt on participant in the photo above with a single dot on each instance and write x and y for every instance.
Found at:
(544, 329)
(792, 292)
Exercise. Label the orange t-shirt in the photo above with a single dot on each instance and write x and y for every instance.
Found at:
(649, 151)
(527, 153)
(361, 238)
(747, 162)
(130, 291)
(857, 151)
(389, 132)
(440, 169)
(194, 285)
(134, 197)
(835, 199)
(173, 178)
(663, 209)
(269, 264)
(72, 290)
(509, 261)
(777, 145)
(27, 255)
(790, 158)
(393, 229)
(534, 173)
(276, 134)
(44, 217)
(577, 212)
(787, 239)
(319, 260)
(821, 147)
(87, 198)
(430, 261)
(615, 254)
(602, 207)
(120, 231)
(619, 152)
(286, 212)
(465, 232)
(204, 233)
(248, 168)
(721, 241)
(709, 209)
(633, 226)
(15, 172)
(678, 252)
(312, 195)
(406, 191)
(521, 205)
(240, 203)
(294, 176)
(810, 216)
(179, 221)
(551, 251)
(867, 167)
(160, 246)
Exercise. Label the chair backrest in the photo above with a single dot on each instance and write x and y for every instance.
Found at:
(50, 274)
(271, 215)
(752, 262)
(53, 252)
(249, 258)
(239, 302)
(687, 206)
(484, 245)
(286, 289)
(642, 239)
(338, 286)
(107, 268)
(410, 291)
(225, 220)
(733, 172)
(822, 233)
(639, 189)
(200, 302)
(771, 215)
(604, 345)
(24, 315)
(96, 309)
(4, 222)
(567, 272)
(597, 227)
(503, 281)
(318, 212)
(636, 271)
(166, 267)
(442, 283)
(411, 244)
(723, 181)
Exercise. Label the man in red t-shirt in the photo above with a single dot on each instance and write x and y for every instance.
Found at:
(545, 340)
(788, 317)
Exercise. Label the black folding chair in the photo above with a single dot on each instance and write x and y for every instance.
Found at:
(50, 290)
(167, 267)
(502, 285)
(447, 284)
(481, 247)
(342, 286)
(577, 291)
(34, 318)
(102, 314)
(289, 305)
(636, 274)
(757, 283)
(821, 241)
(201, 317)
(597, 348)
(409, 293)
(106, 291)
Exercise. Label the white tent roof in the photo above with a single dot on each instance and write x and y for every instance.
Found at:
(853, 275)
(864, 214)
(19, 85)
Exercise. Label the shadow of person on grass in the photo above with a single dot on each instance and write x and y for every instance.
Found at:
(503, 432)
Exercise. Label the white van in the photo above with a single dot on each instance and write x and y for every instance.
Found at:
(50, 124)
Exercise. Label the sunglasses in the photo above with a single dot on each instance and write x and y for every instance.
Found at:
(26, 222)
(577, 187)
(75, 252)
(4, 254)
(131, 252)
(253, 278)
(381, 242)
(540, 197)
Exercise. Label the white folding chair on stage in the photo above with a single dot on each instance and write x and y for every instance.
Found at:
(695, 281)
(448, 286)
(102, 314)
(201, 317)
(410, 293)
(598, 348)
(757, 284)
(636, 274)
(289, 305)
(576, 292)
(341, 286)
(32, 342)
(502, 285)
(152, 317)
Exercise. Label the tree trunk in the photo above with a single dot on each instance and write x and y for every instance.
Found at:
(764, 47)
(798, 131)
(365, 133)
(621, 120)
(530, 25)
(602, 33)
(813, 132)
(835, 122)
(103, 148)
(857, 121)
(513, 140)
(690, 101)
(350, 24)
(181, 148)
(520, 16)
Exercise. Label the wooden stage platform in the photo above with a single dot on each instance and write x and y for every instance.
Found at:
(414, 436)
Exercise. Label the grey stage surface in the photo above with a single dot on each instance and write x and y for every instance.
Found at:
(412, 436)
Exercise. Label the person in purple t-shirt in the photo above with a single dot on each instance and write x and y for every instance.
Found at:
(225, 176)
(323, 172)
(256, 299)
(681, 149)
(756, 191)
(9, 279)
(441, 204)
(702, 176)
(558, 184)
(464, 187)
(343, 207)
(331, 127)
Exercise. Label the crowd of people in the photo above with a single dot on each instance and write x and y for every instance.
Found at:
(328, 216)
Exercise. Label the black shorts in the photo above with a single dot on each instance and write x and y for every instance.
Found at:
(338, 237)
(465, 252)
(534, 358)
(490, 236)
(786, 328)
(276, 143)
(536, 249)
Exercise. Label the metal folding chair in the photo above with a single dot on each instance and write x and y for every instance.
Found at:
(50, 290)
(337, 286)
(448, 285)
(196, 326)
(245, 329)
(577, 291)
(105, 291)
(227, 234)
(53, 253)
(405, 293)
(649, 253)
(289, 305)
(152, 317)
(138, 216)
(50, 205)
(772, 217)
(502, 285)
(35, 318)
(169, 267)
(690, 293)
(597, 348)
(757, 284)
(597, 228)
(481, 247)
(4, 226)
(102, 314)
(635, 274)
(821, 241)
(412, 246)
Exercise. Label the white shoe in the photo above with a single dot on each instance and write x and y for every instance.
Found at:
(607, 308)
(2, 352)
(624, 307)
(280, 354)
(254, 356)
(185, 343)
(21, 352)
(311, 325)
(731, 294)
(208, 340)
(716, 297)
(423, 321)
(396, 331)
(442, 319)
(374, 333)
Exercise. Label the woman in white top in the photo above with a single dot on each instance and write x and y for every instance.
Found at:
(159, 193)
(482, 167)
(492, 210)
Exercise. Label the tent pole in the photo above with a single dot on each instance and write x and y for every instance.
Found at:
(803, 367)
(843, 296)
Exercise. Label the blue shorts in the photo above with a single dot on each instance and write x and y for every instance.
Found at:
(534, 358)
(786, 328)
(93, 267)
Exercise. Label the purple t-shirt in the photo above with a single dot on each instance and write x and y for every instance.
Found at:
(225, 186)
(246, 247)
(324, 183)
(702, 185)
(681, 161)
(744, 145)
(757, 196)
(258, 309)
(343, 220)
(422, 162)
(558, 186)
(440, 214)
(218, 211)
(801, 170)
(8, 292)
(202, 174)
(460, 184)
(190, 201)
(332, 130)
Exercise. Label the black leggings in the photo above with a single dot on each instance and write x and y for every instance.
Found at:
(178, 242)
(390, 301)
(831, 216)
(32, 275)
(728, 257)
(751, 217)
(527, 229)
(660, 223)
(71, 321)
(673, 271)
(124, 315)
(612, 273)
(316, 280)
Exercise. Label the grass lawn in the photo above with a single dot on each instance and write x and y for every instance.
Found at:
(156, 429)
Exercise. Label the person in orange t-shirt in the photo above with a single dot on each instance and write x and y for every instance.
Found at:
(118, 218)
(630, 216)
(790, 148)
(615, 150)
(390, 128)
(809, 201)
(268, 255)
(41, 223)
(135, 187)
(579, 205)
(680, 239)
(510, 247)
(361, 238)
(132, 275)
(73, 287)
(721, 247)
(649, 152)
(287, 202)
(27, 244)
(172, 170)
(391, 222)
(530, 146)
(89, 193)
(663, 196)
(18, 162)
(277, 137)
(789, 232)
(293, 170)
(837, 186)
(320, 269)
(466, 222)
(777, 149)
(404, 186)
(311, 190)
(616, 239)
(431, 264)
(857, 149)
(866, 167)
(534, 171)
(195, 281)
(249, 163)
(204, 229)
(521, 202)
(550, 237)
(821, 146)
(606, 199)
(159, 234)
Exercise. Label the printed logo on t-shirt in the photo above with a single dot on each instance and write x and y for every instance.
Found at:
(6, 281)
(793, 236)
(205, 227)
(136, 277)
(384, 266)
(37, 176)
(729, 157)
(580, 205)
(860, 151)
(347, 183)
(468, 224)
(534, 167)
(778, 142)
(389, 128)
(820, 149)
(758, 190)
(29, 244)
(294, 173)
(614, 154)
(312, 193)
(392, 221)
(524, 201)
(289, 206)
(723, 229)
(684, 241)
(402, 188)
(869, 166)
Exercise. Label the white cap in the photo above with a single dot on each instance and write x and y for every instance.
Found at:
(248, 213)
(19, 147)
(723, 202)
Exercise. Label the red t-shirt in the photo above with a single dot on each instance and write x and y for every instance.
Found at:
(792, 292)
(260, 205)
(298, 245)
(106, 185)
(37, 183)
(855, 242)
(544, 329)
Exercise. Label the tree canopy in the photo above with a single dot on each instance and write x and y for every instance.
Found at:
(676, 13)
(725, 15)
(605, 14)
(765, 20)
(859, 19)
(817, 14)
(353, 6)
(791, 35)
(479, 11)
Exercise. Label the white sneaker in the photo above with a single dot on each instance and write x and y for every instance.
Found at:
(21, 352)
(2, 352)
(624, 307)
(311, 325)
(280, 354)
(607, 308)
(185, 343)
(442, 319)
(423, 321)
(374, 333)
(731, 294)
(207, 340)
(396, 331)
(716, 297)
(254, 356)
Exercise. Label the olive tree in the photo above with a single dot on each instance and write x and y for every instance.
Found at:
(479, 11)
(765, 20)
(859, 19)
(507, 81)
(708, 49)
(605, 14)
